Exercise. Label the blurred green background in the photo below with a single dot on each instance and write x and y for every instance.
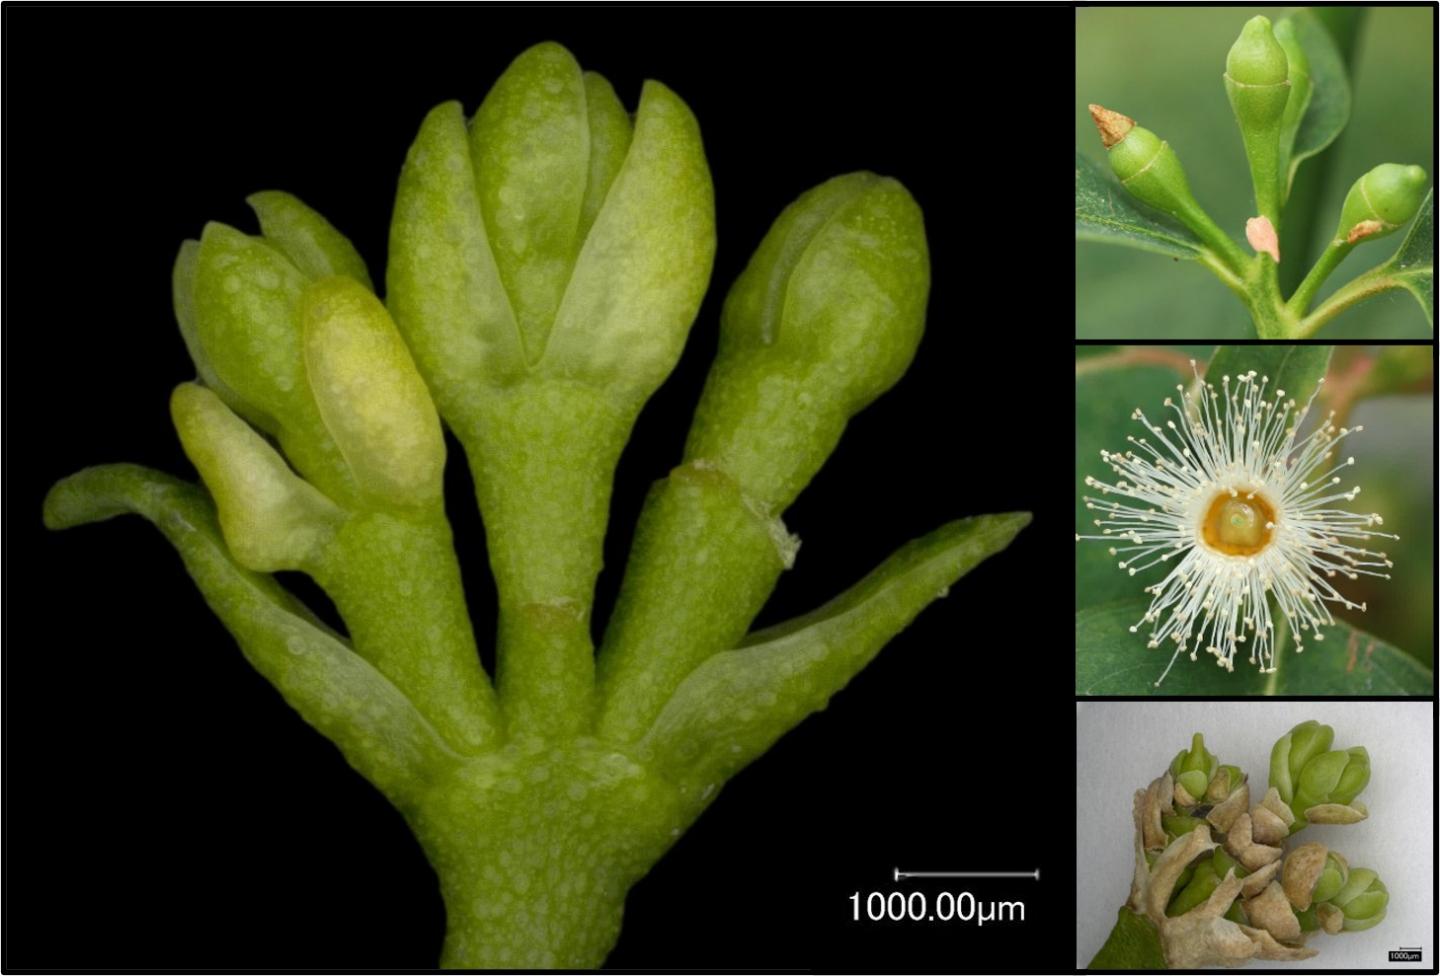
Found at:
(1394, 467)
(1162, 66)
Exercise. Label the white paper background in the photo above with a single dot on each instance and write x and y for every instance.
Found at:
(1122, 746)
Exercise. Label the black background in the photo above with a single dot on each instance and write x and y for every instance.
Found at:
(165, 809)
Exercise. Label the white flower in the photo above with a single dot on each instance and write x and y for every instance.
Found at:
(1244, 507)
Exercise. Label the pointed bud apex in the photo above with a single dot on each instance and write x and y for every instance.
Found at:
(1256, 57)
(1112, 125)
(1262, 237)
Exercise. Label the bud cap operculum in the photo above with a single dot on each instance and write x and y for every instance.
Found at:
(838, 286)
(1381, 202)
(1256, 57)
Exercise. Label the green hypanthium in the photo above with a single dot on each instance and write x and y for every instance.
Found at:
(1288, 89)
(547, 258)
(1215, 884)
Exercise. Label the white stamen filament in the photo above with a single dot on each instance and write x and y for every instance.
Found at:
(1235, 442)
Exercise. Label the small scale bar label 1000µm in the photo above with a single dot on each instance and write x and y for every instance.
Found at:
(918, 906)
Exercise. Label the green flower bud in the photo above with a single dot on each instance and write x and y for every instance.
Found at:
(1202, 884)
(238, 300)
(1194, 768)
(825, 317)
(1332, 777)
(1363, 899)
(1381, 202)
(1309, 919)
(1257, 83)
(1224, 864)
(1144, 163)
(371, 398)
(1292, 750)
(271, 519)
(1332, 878)
(1150, 170)
(1184, 878)
(306, 238)
(1177, 825)
(552, 239)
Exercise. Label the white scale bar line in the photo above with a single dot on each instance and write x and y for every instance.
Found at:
(1033, 875)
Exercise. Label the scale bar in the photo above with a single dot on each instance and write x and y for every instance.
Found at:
(1033, 875)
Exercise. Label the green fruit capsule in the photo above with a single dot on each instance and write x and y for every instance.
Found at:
(1381, 202)
(1258, 84)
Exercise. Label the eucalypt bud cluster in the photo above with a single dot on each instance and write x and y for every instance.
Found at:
(1214, 878)
(547, 258)
(1271, 86)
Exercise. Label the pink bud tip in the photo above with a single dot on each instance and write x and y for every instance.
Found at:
(1262, 237)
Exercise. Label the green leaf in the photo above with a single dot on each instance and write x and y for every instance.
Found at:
(738, 703)
(1134, 943)
(1105, 398)
(1110, 660)
(1295, 369)
(1413, 265)
(1106, 213)
(1329, 110)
